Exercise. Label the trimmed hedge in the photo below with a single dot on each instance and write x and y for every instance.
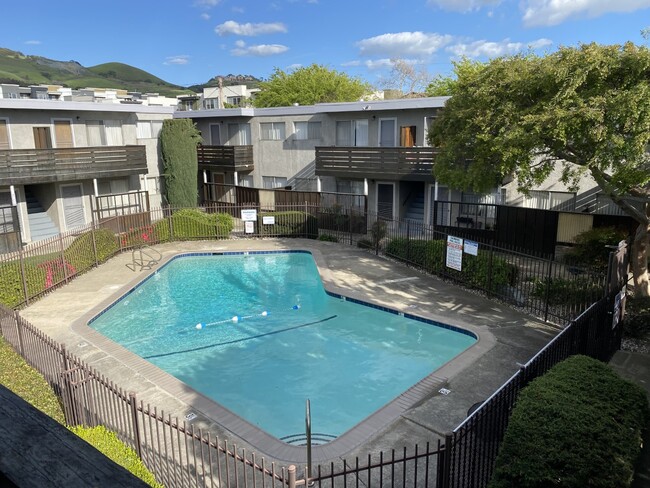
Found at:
(431, 255)
(579, 425)
(191, 224)
(291, 223)
(113, 448)
(562, 291)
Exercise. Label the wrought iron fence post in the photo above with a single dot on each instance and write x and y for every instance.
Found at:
(22, 274)
(19, 329)
(136, 427)
(171, 223)
(443, 476)
(547, 294)
(350, 215)
(308, 436)
(490, 260)
(94, 239)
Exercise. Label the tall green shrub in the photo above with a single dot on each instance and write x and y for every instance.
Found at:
(579, 425)
(178, 141)
(591, 247)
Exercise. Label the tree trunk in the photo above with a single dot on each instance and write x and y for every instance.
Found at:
(639, 259)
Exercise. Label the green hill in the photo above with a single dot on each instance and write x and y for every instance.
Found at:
(21, 69)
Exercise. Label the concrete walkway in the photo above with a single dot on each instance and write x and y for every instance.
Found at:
(508, 337)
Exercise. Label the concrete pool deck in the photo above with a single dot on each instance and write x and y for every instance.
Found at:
(507, 338)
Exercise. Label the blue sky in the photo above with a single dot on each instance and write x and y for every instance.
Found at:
(190, 41)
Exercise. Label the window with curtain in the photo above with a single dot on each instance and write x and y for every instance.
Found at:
(272, 131)
(246, 181)
(148, 129)
(352, 132)
(270, 182)
(307, 130)
(95, 132)
(113, 132)
(239, 134)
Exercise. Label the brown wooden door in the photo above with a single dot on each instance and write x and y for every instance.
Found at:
(407, 136)
(42, 138)
(63, 133)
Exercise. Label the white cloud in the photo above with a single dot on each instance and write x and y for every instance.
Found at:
(553, 12)
(492, 49)
(207, 3)
(205, 16)
(180, 59)
(248, 29)
(237, 10)
(464, 5)
(403, 44)
(33, 42)
(291, 67)
(259, 50)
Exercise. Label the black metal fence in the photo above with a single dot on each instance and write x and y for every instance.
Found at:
(181, 456)
(10, 239)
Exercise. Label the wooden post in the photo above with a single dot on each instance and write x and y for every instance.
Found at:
(292, 477)
(19, 328)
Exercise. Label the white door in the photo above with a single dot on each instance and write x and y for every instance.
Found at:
(215, 135)
(73, 206)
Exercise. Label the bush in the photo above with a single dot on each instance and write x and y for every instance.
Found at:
(113, 448)
(562, 291)
(579, 425)
(637, 317)
(591, 251)
(81, 255)
(328, 238)
(364, 244)
(289, 224)
(193, 224)
(431, 255)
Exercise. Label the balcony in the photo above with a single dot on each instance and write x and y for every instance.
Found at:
(27, 166)
(396, 163)
(226, 158)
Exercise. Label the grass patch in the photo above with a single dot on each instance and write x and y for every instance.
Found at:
(27, 383)
(107, 442)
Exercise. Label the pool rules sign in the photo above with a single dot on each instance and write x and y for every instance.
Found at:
(454, 253)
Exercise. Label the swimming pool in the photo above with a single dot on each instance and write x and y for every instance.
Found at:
(257, 333)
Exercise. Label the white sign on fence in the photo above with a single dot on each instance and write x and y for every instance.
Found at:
(471, 247)
(249, 215)
(455, 253)
(249, 227)
(268, 220)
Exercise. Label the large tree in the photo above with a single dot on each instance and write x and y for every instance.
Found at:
(178, 141)
(309, 85)
(586, 108)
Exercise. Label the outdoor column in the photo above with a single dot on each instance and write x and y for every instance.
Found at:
(319, 187)
(95, 187)
(365, 186)
(435, 191)
(12, 190)
(205, 176)
(236, 179)
(145, 184)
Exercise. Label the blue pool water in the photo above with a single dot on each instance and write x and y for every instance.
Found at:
(258, 334)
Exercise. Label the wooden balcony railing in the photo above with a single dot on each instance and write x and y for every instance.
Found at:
(408, 163)
(27, 166)
(226, 158)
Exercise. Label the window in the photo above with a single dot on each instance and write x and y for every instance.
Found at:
(349, 186)
(352, 132)
(148, 129)
(4, 135)
(234, 100)
(550, 200)
(307, 130)
(387, 129)
(111, 187)
(211, 103)
(246, 181)
(272, 131)
(269, 182)
(104, 133)
(239, 134)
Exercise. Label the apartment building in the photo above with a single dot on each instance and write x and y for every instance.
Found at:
(56, 156)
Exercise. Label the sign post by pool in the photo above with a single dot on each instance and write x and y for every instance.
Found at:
(454, 253)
